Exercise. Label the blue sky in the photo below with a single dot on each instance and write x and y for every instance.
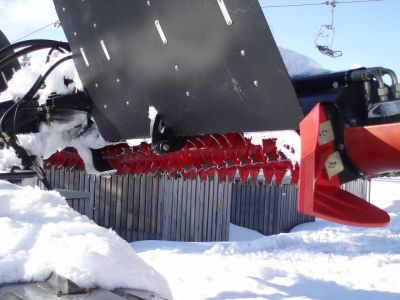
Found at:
(367, 33)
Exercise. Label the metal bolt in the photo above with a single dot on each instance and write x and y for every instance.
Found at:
(95, 25)
(335, 84)
(96, 85)
(396, 90)
(148, 3)
(105, 105)
(118, 80)
(188, 93)
(75, 34)
(255, 83)
(176, 67)
(127, 102)
(165, 147)
(382, 93)
(341, 147)
(63, 9)
(243, 52)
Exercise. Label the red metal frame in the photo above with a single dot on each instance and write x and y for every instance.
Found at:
(374, 149)
(321, 196)
(202, 156)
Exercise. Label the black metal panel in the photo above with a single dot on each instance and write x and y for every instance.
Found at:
(209, 77)
(7, 72)
(275, 206)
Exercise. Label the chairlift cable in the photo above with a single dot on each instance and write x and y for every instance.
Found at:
(292, 5)
(320, 3)
(55, 23)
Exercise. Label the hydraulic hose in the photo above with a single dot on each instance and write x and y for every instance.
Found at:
(41, 42)
(32, 91)
(20, 53)
(27, 160)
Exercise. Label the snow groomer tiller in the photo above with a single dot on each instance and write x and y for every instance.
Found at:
(212, 71)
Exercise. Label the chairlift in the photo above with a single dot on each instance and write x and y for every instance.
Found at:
(326, 35)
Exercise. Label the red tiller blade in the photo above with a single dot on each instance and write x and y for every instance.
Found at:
(340, 206)
(268, 174)
(321, 196)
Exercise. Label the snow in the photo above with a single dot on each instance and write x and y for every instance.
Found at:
(41, 234)
(319, 260)
(60, 134)
(240, 234)
(300, 65)
(23, 79)
(287, 142)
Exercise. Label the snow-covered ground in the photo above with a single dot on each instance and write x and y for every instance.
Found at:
(40, 234)
(318, 260)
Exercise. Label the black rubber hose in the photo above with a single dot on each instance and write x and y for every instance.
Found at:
(51, 52)
(42, 42)
(33, 90)
(28, 160)
(39, 82)
(20, 53)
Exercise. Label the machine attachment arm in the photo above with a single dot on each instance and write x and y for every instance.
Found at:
(320, 194)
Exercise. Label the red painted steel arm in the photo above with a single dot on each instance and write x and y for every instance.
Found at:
(319, 191)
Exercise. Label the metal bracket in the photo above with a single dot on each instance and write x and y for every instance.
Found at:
(164, 139)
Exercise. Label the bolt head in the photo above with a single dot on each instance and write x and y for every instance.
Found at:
(382, 91)
(396, 88)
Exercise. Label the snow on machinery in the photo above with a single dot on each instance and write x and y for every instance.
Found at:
(212, 71)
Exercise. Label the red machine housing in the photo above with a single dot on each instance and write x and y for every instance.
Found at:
(319, 194)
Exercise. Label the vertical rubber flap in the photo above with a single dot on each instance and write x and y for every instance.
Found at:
(209, 66)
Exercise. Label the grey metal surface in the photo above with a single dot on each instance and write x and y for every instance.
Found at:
(205, 76)
(72, 194)
(147, 207)
(33, 291)
(359, 187)
(59, 287)
(269, 209)
(133, 294)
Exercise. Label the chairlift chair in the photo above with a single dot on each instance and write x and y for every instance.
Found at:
(324, 41)
(326, 35)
